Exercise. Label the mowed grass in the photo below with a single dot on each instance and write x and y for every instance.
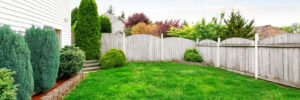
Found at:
(172, 81)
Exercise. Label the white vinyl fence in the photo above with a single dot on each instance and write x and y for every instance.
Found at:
(275, 59)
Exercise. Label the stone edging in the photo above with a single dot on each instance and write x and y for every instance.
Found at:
(60, 92)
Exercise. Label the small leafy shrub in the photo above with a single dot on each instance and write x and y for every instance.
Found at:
(192, 55)
(44, 48)
(112, 59)
(105, 24)
(137, 18)
(15, 55)
(71, 61)
(7, 88)
(143, 28)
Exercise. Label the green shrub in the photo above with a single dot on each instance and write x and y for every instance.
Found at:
(105, 24)
(192, 55)
(74, 16)
(112, 59)
(7, 88)
(71, 61)
(15, 55)
(44, 48)
(87, 30)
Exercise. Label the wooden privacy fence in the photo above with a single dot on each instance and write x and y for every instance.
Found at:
(144, 47)
(275, 59)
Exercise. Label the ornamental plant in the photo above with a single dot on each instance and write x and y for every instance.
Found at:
(137, 18)
(15, 55)
(71, 61)
(105, 24)
(88, 29)
(143, 28)
(192, 55)
(164, 27)
(112, 59)
(7, 88)
(44, 48)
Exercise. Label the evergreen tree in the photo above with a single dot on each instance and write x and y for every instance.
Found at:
(87, 31)
(74, 16)
(44, 48)
(15, 55)
(110, 10)
(123, 15)
(237, 26)
(105, 24)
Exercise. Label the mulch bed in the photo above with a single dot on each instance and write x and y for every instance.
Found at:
(192, 63)
(38, 96)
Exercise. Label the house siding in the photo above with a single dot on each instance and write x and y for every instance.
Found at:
(22, 14)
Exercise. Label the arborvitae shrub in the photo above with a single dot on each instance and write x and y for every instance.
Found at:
(87, 31)
(112, 59)
(44, 48)
(105, 24)
(15, 55)
(71, 61)
(192, 55)
(7, 88)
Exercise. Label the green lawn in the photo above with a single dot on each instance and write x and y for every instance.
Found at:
(171, 81)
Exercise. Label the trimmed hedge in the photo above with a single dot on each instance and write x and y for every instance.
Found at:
(105, 24)
(192, 55)
(87, 30)
(44, 48)
(112, 59)
(71, 61)
(7, 88)
(15, 55)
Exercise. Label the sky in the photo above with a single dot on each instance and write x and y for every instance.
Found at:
(264, 12)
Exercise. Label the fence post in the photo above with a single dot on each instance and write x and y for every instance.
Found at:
(162, 46)
(218, 52)
(197, 41)
(256, 55)
(124, 43)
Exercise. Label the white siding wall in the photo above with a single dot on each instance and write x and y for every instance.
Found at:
(22, 14)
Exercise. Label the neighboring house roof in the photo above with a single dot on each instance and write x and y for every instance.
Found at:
(114, 18)
(118, 23)
(268, 31)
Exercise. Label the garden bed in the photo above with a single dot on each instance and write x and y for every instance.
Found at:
(173, 81)
(61, 89)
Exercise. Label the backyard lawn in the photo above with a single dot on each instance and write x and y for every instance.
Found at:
(172, 81)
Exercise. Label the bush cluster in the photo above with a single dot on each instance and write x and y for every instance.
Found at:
(105, 24)
(192, 55)
(142, 28)
(7, 88)
(44, 48)
(15, 55)
(88, 29)
(71, 61)
(112, 59)
(137, 18)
